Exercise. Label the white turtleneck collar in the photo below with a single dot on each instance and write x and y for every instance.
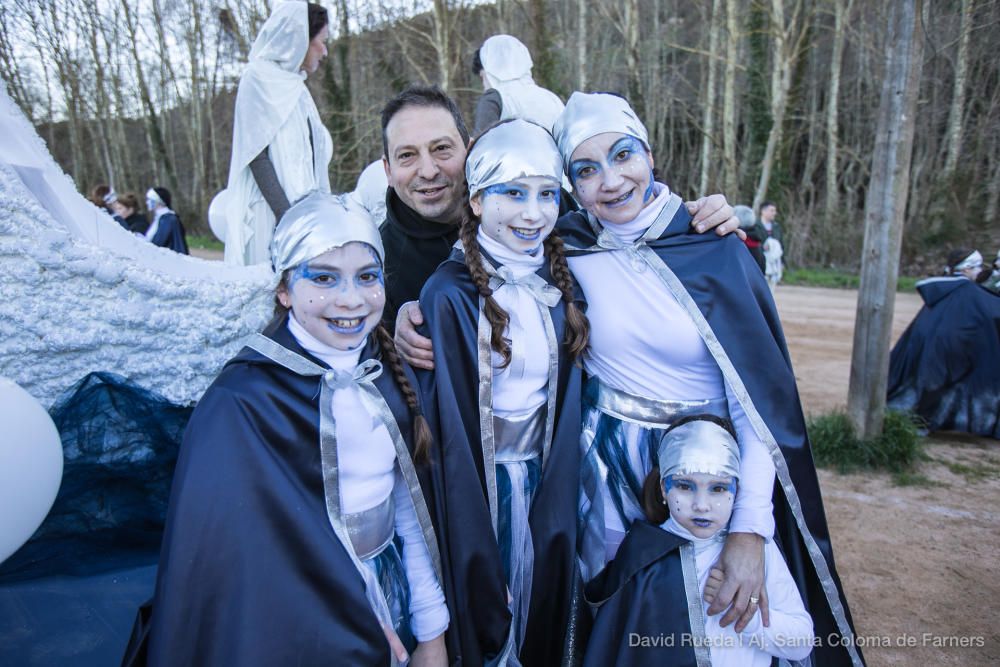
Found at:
(630, 231)
(700, 543)
(341, 360)
(520, 263)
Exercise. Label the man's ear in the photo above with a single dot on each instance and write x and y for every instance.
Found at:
(388, 171)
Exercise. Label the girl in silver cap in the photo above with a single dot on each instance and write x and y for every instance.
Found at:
(507, 327)
(689, 495)
(297, 531)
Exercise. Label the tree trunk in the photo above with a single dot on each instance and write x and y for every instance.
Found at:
(953, 137)
(729, 179)
(885, 207)
(840, 12)
(783, 59)
(708, 110)
(442, 43)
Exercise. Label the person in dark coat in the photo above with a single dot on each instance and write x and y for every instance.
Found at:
(944, 366)
(126, 208)
(166, 229)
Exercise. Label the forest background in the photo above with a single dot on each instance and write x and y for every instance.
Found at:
(759, 99)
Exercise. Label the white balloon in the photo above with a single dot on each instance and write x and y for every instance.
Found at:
(217, 214)
(31, 466)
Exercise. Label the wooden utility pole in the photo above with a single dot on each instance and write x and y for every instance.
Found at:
(885, 205)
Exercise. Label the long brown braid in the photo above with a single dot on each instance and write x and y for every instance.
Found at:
(495, 315)
(421, 430)
(577, 324)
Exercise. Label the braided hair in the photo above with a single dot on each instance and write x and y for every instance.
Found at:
(421, 430)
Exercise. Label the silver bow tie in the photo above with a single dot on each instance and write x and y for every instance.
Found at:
(534, 284)
(365, 372)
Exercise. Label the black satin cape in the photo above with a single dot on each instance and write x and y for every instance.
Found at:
(476, 588)
(732, 294)
(251, 572)
(946, 365)
(629, 596)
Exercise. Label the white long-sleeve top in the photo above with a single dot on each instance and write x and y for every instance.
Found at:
(366, 459)
(643, 342)
(521, 386)
(790, 634)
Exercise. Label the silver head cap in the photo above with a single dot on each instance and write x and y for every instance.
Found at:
(318, 223)
(588, 114)
(511, 150)
(699, 447)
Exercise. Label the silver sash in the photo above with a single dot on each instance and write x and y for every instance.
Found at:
(372, 530)
(648, 412)
(519, 438)
(641, 255)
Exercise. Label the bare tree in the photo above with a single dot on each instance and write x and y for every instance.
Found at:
(708, 104)
(953, 136)
(841, 10)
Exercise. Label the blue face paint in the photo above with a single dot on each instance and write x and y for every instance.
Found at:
(519, 193)
(378, 262)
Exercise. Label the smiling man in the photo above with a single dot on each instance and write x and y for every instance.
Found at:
(424, 141)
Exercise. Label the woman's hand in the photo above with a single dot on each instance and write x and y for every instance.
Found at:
(741, 567)
(395, 644)
(431, 653)
(414, 348)
(714, 211)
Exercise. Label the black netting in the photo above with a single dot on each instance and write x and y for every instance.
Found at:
(120, 444)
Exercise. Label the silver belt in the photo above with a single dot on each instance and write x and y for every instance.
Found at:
(649, 412)
(519, 438)
(372, 530)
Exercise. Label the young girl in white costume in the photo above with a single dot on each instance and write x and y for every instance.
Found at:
(297, 531)
(690, 495)
(506, 397)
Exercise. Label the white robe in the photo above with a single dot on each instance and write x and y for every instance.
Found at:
(274, 110)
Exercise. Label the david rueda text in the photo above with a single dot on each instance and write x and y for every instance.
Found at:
(729, 640)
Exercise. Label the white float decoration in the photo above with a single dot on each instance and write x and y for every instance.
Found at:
(81, 294)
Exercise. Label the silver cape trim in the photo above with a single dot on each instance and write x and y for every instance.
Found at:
(696, 614)
(641, 250)
(363, 378)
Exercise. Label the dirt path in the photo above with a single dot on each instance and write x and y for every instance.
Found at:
(919, 563)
